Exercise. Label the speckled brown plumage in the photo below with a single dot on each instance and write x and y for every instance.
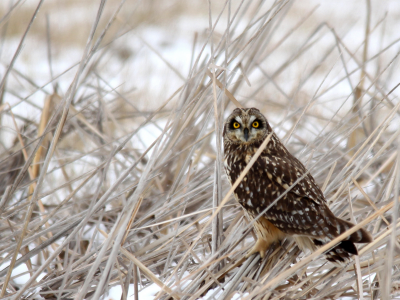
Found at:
(302, 213)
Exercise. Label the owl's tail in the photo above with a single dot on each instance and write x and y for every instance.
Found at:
(343, 251)
(360, 236)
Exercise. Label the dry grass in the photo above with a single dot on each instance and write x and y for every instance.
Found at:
(90, 199)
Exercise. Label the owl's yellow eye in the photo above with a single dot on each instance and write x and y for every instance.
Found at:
(236, 125)
(255, 124)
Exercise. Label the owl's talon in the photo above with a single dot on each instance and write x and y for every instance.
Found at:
(260, 247)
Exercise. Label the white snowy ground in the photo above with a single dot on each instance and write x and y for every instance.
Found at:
(149, 74)
(150, 292)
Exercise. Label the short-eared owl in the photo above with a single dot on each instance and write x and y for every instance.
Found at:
(302, 213)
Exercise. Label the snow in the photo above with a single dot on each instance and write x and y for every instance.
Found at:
(149, 292)
(146, 72)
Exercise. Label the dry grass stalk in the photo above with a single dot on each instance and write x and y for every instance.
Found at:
(130, 191)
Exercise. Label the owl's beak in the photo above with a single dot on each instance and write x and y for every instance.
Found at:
(246, 134)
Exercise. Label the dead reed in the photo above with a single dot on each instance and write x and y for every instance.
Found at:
(108, 183)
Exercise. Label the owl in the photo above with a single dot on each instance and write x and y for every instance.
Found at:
(302, 213)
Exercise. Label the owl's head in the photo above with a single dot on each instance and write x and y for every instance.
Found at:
(246, 125)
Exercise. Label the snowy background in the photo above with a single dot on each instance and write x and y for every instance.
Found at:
(148, 53)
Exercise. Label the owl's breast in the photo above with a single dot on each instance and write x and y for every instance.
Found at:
(256, 190)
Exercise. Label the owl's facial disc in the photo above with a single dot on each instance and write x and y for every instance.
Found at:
(245, 129)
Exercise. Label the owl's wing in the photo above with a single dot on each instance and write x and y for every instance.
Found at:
(303, 209)
(285, 170)
(302, 216)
